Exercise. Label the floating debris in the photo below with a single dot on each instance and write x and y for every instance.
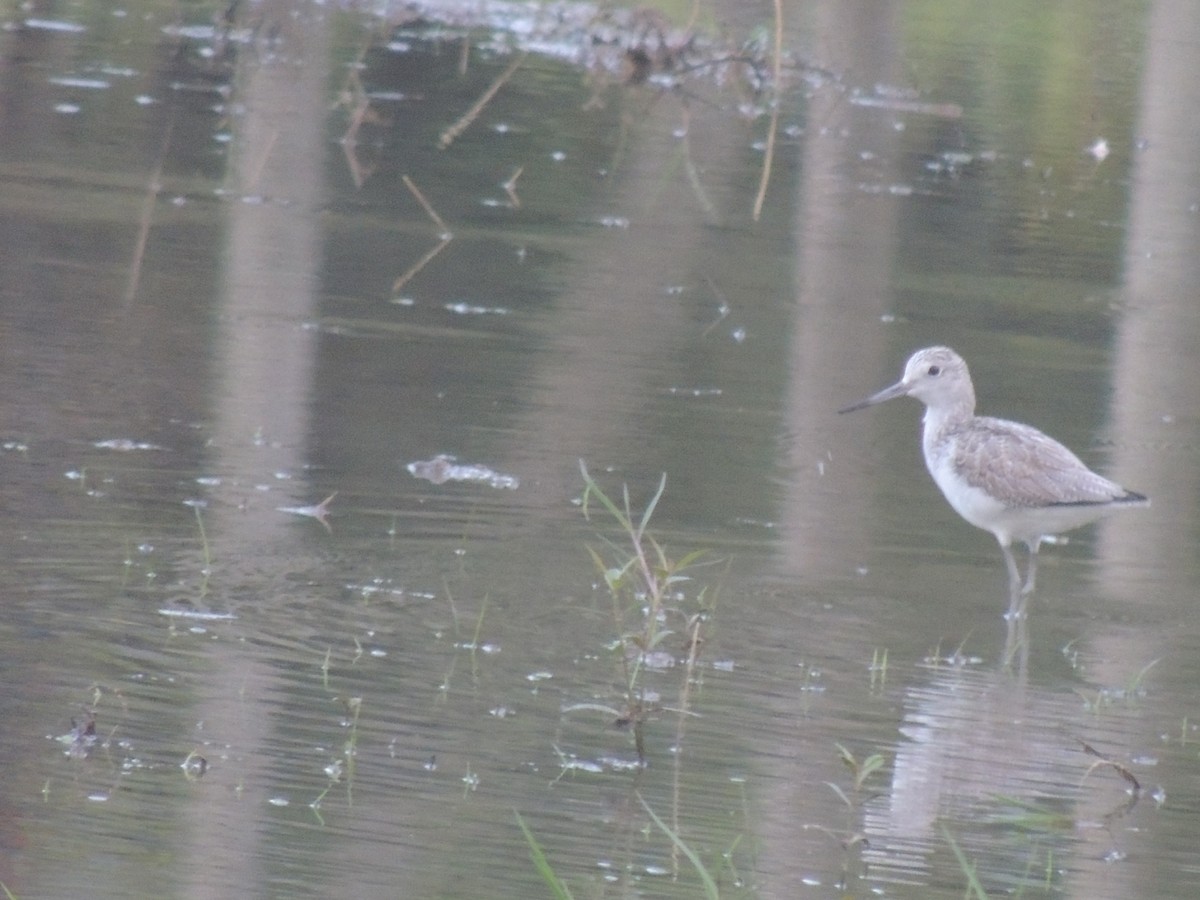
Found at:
(487, 647)
(55, 25)
(443, 468)
(617, 764)
(571, 764)
(194, 766)
(386, 588)
(1099, 151)
(193, 32)
(468, 309)
(318, 512)
(81, 739)
(125, 445)
(657, 659)
(199, 615)
(85, 84)
(753, 523)
(907, 105)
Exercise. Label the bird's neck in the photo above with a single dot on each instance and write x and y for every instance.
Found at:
(941, 419)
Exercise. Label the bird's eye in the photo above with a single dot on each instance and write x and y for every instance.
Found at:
(935, 370)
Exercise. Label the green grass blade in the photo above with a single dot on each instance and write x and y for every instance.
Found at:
(974, 888)
(591, 488)
(662, 486)
(710, 886)
(557, 886)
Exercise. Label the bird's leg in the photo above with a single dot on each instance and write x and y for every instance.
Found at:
(1031, 576)
(1016, 595)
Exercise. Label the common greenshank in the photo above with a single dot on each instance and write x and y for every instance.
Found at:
(1004, 477)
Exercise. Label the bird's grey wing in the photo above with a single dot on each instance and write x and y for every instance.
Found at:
(1024, 467)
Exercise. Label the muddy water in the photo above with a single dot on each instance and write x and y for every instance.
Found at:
(242, 277)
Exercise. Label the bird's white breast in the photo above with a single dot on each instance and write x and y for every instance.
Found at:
(974, 504)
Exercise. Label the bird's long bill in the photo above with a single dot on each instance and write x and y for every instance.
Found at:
(899, 389)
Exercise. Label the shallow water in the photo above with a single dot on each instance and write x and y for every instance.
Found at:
(224, 304)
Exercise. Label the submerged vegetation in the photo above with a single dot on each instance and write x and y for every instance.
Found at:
(658, 629)
(649, 608)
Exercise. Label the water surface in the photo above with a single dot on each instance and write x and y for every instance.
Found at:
(247, 271)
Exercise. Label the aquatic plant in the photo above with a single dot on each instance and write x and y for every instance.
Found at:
(642, 580)
(558, 887)
(852, 839)
(706, 879)
(659, 628)
(974, 887)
